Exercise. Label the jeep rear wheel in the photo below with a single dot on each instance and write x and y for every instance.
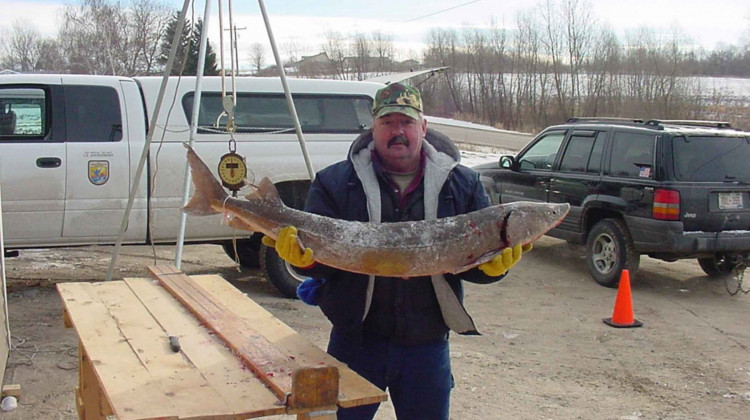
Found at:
(720, 265)
(279, 272)
(609, 250)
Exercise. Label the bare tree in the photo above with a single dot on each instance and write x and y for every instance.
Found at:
(335, 48)
(257, 56)
(148, 24)
(20, 48)
(578, 30)
(444, 50)
(91, 37)
(104, 37)
(382, 45)
(360, 47)
(294, 50)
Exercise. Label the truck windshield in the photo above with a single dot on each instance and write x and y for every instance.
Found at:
(270, 113)
(715, 159)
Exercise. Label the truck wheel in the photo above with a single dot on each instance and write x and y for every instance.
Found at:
(609, 250)
(279, 272)
(248, 250)
(720, 265)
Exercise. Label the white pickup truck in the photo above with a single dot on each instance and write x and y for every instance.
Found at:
(70, 146)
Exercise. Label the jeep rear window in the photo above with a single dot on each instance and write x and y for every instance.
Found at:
(715, 159)
(269, 113)
(583, 153)
(632, 155)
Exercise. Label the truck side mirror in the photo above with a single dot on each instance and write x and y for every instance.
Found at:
(507, 162)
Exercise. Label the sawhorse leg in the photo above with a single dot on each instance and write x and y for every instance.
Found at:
(90, 402)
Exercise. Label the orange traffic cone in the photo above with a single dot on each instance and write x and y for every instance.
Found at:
(622, 316)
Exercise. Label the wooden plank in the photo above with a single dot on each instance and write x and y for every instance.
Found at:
(135, 384)
(245, 395)
(307, 390)
(13, 390)
(130, 387)
(176, 378)
(353, 389)
(274, 367)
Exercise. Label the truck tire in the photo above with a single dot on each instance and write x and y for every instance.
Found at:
(279, 272)
(720, 265)
(609, 250)
(248, 251)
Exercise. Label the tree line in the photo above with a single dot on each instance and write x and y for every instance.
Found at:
(558, 62)
(104, 37)
(553, 62)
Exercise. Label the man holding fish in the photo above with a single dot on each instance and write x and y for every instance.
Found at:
(393, 330)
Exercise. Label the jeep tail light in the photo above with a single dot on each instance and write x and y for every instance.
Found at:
(666, 204)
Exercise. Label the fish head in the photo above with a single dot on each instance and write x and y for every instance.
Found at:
(526, 222)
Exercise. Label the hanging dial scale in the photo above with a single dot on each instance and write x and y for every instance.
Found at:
(232, 166)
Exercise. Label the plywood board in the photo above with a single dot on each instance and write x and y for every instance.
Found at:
(354, 390)
(139, 375)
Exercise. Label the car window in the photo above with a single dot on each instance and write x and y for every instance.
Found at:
(23, 113)
(632, 155)
(579, 154)
(711, 158)
(543, 153)
(270, 113)
(92, 114)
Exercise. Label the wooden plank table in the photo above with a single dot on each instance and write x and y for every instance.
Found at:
(127, 368)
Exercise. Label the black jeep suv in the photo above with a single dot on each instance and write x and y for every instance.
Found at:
(668, 189)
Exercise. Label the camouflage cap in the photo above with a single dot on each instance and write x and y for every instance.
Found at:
(400, 98)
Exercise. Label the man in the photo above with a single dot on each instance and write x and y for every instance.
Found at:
(393, 331)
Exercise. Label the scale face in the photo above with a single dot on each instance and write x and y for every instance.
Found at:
(232, 171)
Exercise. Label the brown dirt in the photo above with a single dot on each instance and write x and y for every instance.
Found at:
(544, 352)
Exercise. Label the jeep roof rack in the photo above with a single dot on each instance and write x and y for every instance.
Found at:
(691, 123)
(603, 120)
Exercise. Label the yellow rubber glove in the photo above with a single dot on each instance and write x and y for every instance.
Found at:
(503, 262)
(288, 248)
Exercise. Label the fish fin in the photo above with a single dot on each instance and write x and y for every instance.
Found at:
(265, 191)
(207, 188)
(237, 223)
(486, 257)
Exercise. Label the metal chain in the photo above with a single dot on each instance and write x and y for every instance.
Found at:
(739, 274)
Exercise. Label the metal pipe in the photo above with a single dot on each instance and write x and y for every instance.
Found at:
(290, 102)
(149, 137)
(2, 272)
(193, 131)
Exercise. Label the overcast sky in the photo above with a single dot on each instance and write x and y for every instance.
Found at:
(707, 22)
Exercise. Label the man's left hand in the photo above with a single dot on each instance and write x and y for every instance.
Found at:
(503, 262)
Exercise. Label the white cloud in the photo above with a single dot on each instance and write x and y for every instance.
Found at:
(42, 16)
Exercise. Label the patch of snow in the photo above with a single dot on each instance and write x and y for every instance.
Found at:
(473, 155)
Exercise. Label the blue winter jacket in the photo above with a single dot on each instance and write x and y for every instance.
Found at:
(339, 191)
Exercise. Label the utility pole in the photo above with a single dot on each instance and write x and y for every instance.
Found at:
(233, 33)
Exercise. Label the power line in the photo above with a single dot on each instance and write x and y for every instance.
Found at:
(441, 11)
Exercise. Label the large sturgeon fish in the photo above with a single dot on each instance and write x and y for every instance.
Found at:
(403, 249)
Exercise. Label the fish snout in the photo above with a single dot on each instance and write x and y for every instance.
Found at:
(560, 210)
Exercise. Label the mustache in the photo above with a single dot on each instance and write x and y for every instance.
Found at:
(398, 140)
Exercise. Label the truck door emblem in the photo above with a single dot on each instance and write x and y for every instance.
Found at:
(98, 171)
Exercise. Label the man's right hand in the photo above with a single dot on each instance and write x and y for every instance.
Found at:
(288, 248)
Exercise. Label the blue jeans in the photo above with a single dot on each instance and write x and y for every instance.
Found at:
(418, 378)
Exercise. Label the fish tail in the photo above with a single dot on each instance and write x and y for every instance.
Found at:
(207, 188)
